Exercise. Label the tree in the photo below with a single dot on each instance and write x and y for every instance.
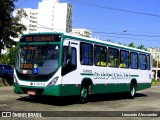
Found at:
(131, 45)
(119, 43)
(142, 47)
(9, 57)
(10, 27)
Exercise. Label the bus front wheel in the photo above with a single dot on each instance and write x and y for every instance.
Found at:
(84, 94)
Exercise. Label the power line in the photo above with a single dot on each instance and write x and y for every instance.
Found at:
(104, 35)
(132, 38)
(117, 9)
(137, 35)
(114, 39)
(19, 4)
(118, 30)
(108, 37)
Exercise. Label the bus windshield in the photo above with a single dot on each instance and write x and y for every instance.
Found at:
(41, 59)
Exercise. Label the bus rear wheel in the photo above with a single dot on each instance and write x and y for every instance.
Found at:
(84, 94)
(132, 91)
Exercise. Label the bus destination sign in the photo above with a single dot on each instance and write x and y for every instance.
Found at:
(41, 38)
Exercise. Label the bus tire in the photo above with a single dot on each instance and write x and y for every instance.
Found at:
(132, 91)
(84, 94)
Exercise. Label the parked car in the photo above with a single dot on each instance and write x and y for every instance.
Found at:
(6, 72)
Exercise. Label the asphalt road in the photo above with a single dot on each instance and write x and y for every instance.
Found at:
(108, 104)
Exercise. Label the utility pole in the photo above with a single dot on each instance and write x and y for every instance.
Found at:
(157, 67)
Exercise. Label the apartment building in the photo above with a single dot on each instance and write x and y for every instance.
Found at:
(155, 52)
(49, 16)
(30, 21)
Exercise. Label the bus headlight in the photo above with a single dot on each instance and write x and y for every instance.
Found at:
(15, 79)
(53, 82)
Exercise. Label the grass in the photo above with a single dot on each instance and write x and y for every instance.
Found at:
(155, 82)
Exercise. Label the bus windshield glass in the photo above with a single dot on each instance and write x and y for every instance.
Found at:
(41, 59)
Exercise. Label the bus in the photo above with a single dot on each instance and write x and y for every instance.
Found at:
(63, 64)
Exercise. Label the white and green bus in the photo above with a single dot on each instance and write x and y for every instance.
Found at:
(62, 64)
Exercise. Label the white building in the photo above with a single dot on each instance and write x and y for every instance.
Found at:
(155, 52)
(50, 16)
(30, 21)
(82, 32)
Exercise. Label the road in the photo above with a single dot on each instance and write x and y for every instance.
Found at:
(145, 100)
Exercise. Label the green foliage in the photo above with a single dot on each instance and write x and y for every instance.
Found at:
(139, 47)
(9, 57)
(155, 82)
(10, 27)
(142, 47)
(154, 63)
(119, 43)
(131, 45)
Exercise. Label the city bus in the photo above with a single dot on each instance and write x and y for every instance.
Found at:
(63, 64)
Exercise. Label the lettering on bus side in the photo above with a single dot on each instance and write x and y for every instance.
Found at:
(87, 71)
(101, 75)
(112, 75)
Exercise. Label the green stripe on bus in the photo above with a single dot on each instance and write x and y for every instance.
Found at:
(86, 74)
(73, 89)
(134, 75)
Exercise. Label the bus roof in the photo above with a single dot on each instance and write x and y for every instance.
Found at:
(93, 40)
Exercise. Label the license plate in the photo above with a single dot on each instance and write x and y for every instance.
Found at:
(31, 92)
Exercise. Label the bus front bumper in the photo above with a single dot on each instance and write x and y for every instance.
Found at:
(51, 91)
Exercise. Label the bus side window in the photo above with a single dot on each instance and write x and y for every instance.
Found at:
(86, 54)
(69, 61)
(124, 59)
(100, 58)
(142, 62)
(113, 57)
(148, 62)
(134, 60)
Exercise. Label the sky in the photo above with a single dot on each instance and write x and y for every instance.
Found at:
(120, 21)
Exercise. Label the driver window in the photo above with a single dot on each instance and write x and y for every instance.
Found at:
(69, 61)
